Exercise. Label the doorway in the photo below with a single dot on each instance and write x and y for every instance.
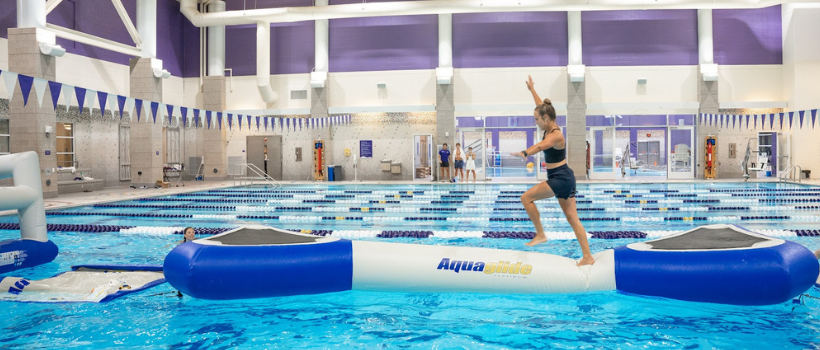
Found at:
(603, 164)
(422, 157)
(477, 139)
(265, 152)
(681, 152)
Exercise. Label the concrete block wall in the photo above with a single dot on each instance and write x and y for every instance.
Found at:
(28, 122)
(96, 142)
(392, 136)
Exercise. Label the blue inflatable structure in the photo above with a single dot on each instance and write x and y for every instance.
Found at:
(716, 264)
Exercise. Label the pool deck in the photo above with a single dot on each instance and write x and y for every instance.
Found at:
(122, 193)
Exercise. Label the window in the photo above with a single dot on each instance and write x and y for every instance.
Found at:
(65, 144)
(4, 136)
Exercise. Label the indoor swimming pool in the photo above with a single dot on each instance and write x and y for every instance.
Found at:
(142, 232)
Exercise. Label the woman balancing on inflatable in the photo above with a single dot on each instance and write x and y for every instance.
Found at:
(561, 179)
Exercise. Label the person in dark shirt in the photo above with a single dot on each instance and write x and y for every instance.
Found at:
(444, 162)
(560, 178)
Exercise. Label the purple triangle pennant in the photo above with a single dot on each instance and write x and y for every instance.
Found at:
(771, 121)
(102, 98)
(208, 118)
(747, 121)
(55, 88)
(813, 115)
(281, 125)
(287, 122)
(154, 108)
(184, 112)
(734, 118)
(800, 119)
(239, 119)
(300, 123)
(121, 103)
(25, 86)
(781, 120)
(755, 121)
(266, 124)
(230, 121)
(80, 93)
(170, 109)
(219, 119)
(257, 123)
(138, 107)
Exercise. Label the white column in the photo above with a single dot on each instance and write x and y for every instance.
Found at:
(706, 52)
(575, 38)
(216, 43)
(31, 14)
(444, 72)
(321, 41)
(445, 40)
(575, 68)
(147, 27)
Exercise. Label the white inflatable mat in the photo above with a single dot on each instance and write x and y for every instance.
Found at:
(85, 284)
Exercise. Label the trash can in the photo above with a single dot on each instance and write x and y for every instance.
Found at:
(330, 173)
(806, 174)
(337, 173)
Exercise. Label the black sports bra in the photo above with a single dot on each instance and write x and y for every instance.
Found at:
(552, 155)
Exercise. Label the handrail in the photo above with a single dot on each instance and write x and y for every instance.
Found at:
(260, 174)
(782, 177)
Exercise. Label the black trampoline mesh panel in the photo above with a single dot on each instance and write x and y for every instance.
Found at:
(705, 238)
(248, 236)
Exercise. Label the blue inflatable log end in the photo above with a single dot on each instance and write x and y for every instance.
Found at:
(741, 277)
(23, 253)
(242, 272)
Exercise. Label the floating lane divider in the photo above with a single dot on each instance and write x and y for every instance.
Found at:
(555, 235)
(141, 215)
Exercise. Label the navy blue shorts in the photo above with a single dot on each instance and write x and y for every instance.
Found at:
(459, 164)
(562, 181)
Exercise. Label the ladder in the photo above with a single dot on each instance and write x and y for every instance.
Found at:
(789, 173)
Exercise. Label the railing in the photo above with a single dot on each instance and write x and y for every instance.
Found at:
(789, 172)
(260, 175)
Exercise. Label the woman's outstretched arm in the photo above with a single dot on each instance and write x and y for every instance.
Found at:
(531, 87)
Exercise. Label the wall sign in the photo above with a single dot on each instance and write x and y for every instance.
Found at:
(366, 148)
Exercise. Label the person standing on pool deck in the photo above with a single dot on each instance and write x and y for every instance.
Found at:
(560, 178)
(458, 162)
(470, 163)
(444, 162)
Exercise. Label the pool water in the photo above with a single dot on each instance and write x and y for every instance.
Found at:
(157, 319)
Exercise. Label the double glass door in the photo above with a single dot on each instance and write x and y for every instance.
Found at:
(602, 158)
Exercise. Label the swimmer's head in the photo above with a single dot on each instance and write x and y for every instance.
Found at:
(188, 234)
(545, 111)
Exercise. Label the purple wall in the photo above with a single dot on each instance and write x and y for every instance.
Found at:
(291, 48)
(383, 43)
(8, 17)
(170, 37)
(748, 36)
(95, 17)
(516, 39)
(190, 51)
(638, 38)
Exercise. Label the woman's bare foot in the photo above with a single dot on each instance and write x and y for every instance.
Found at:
(538, 239)
(586, 261)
